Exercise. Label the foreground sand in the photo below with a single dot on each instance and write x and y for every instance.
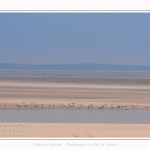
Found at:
(76, 130)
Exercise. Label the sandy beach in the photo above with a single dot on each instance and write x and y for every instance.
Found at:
(75, 130)
(67, 92)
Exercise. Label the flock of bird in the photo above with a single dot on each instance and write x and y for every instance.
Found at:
(73, 105)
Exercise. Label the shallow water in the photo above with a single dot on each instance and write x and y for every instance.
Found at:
(76, 73)
(73, 115)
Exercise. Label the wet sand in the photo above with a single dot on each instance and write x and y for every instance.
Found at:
(115, 94)
(75, 130)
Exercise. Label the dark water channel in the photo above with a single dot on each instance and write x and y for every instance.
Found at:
(73, 115)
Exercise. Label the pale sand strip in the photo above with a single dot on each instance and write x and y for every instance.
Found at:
(76, 130)
(66, 85)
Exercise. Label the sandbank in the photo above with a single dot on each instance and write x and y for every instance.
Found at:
(73, 130)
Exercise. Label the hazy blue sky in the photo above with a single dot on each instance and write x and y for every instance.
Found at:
(55, 38)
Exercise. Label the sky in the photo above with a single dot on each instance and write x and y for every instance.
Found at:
(57, 38)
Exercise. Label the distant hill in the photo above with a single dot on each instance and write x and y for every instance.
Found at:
(88, 66)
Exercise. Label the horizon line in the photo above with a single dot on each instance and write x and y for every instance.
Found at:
(75, 64)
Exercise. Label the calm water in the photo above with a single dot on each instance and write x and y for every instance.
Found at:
(73, 115)
(77, 73)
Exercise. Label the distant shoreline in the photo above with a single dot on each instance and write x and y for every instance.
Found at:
(86, 66)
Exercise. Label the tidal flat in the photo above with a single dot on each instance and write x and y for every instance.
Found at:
(76, 90)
